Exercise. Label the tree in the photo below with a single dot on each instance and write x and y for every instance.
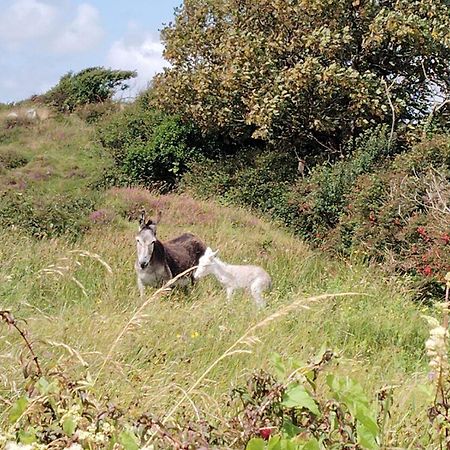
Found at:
(91, 85)
(293, 71)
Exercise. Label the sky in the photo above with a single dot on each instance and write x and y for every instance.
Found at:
(41, 40)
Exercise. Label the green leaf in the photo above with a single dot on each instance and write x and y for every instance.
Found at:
(312, 444)
(278, 365)
(289, 429)
(18, 409)
(129, 440)
(255, 444)
(27, 437)
(69, 425)
(365, 437)
(44, 387)
(296, 396)
(274, 443)
(365, 417)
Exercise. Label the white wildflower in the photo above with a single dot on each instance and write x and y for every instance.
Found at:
(436, 348)
(82, 435)
(14, 446)
(75, 446)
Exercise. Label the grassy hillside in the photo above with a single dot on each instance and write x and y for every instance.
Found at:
(76, 295)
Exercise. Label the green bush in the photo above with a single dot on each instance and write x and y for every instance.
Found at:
(320, 198)
(12, 159)
(91, 85)
(46, 217)
(253, 178)
(399, 216)
(152, 148)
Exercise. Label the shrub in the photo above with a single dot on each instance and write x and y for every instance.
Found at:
(152, 148)
(399, 216)
(320, 199)
(12, 159)
(93, 112)
(254, 178)
(46, 217)
(91, 85)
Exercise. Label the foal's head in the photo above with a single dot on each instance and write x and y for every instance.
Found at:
(205, 263)
(145, 239)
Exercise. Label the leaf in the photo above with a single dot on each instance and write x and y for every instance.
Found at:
(44, 387)
(296, 396)
(27, 437)
(364, 416)
(129, 440)
(18, 409)
(274, 443)
(69, 425)
(289, 429)
(278, 365)
(312, 444)
(365, 437)
(255, 444)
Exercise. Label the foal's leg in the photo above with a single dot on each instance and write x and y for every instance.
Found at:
(229, 293)
(256, 288)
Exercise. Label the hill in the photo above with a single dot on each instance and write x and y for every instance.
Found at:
(67, 277)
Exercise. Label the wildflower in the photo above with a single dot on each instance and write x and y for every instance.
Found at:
(75, 446)
(427, 270)
(422, 231)
(195, 334)
(436, 348)
(266, 432)
(14, 446)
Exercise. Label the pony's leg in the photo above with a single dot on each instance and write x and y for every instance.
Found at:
(141, 287)
(229, 293)
(256, 289)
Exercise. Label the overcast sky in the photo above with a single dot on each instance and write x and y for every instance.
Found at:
(41, 40)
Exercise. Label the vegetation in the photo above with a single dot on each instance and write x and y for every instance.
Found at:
(317, 116)
(91, 85)
(151, 148)
(295, 73)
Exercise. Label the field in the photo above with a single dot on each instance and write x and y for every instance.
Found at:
(75, 296)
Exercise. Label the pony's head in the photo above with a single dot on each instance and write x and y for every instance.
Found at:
(205, 263)
(145, 239)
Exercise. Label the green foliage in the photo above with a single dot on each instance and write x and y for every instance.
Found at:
(150, 147)
(46, 217)
(304, 419)
(12, 159)
(399, 216)
(91, 85)
(296, 72)
(322, 196)
(257, 179)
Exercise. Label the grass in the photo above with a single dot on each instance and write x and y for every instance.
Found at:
(75, 308)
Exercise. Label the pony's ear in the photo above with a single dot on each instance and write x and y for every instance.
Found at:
(142, 220)
(215, 253)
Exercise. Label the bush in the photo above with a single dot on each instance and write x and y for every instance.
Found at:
(399, 216)
(320, 199)
(46, 217)
(12, 159)
(151, 148)
(91, 85)
(254, 178)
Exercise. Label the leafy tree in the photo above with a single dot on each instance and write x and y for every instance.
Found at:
(293, 71)
(91, 85)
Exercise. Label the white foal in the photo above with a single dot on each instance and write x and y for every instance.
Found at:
(232, 277)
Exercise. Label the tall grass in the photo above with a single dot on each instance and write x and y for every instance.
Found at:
(78, 299)
(379, 335)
